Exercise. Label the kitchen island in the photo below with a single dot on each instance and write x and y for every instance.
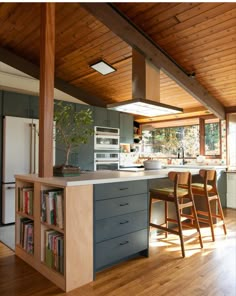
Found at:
(105, 221)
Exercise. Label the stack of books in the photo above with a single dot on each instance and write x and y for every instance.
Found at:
(54, 250)
(26, 200)
(27, 235)
(52, 207)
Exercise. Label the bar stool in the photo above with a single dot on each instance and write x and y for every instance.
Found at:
(182, 198)
(208, 190)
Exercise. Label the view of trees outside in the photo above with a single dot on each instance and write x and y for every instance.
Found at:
(212, 137)
(166, 141)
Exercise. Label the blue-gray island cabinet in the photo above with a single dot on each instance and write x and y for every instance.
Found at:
(120, 221)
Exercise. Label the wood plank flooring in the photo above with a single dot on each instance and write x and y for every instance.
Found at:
(207, 272)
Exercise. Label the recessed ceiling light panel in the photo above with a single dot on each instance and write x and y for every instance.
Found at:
(103, 67)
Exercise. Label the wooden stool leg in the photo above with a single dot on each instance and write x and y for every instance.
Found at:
(221, 214)
(178, 214)
(210, 219)
(193, 210)
(166, 216)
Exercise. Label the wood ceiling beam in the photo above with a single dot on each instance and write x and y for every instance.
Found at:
(127, 31)
(17, 62)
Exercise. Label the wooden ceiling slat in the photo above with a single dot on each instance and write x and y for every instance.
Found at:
(211, 58)
(152, 15)
(205, 49)
(207, 24)
(203, 38)
(159, 18)
(7, 10)
(103, 41)
(218, 10)
(195, 11)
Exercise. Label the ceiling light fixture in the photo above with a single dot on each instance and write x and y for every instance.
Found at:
(145, 91)
(144, 107)
(103, 67)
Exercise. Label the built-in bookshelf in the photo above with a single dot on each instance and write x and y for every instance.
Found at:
(54, 229)
(25, 217)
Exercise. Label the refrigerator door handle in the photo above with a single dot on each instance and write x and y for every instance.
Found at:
(11, 187)
(34, 147)
(31, 148)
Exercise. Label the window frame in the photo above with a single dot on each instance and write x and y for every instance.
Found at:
(202, 122)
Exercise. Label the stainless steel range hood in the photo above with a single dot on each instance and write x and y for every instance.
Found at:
(145, 91)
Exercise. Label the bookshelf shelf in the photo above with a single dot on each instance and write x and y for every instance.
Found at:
(51, 226)
(22, 214)
(63, 254)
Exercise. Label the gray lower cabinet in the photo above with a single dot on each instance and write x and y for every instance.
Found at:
(120, 222)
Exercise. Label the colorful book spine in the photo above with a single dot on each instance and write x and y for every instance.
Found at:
(52, 207)
(54, 250)
(27, 235)
(26, 200)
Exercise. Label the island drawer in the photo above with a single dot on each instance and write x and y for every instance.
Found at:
(113, 250)
(118, 189)
(120, 225)
(119, 206)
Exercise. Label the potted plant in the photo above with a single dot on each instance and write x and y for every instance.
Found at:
(72, 129)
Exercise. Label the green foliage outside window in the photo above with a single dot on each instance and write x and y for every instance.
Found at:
(166, 141)
(212, 136)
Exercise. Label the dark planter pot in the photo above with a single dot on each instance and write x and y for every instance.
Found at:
(66, 171)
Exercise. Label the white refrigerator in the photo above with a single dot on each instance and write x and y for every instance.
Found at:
(20, 156)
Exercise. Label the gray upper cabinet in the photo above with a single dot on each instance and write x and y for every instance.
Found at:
(34, 106)
(15, 104)
(20, 105)
(86, 151)
(107, 118)
(126, 128)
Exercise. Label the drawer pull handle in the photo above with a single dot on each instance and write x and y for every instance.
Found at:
(124, 222)
(124, 204)
(125, 188)
(124, 243)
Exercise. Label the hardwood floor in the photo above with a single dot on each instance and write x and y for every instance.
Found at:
(210, 271)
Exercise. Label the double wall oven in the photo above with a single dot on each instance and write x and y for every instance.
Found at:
(106, 146)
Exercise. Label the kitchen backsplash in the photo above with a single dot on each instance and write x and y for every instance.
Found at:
(138, 157)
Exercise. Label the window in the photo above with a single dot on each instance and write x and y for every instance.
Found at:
(212, 137)
(196, 136)
(166, 141)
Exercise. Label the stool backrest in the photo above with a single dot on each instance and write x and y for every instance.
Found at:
(209, 175)
(209, 178)
(181, 178)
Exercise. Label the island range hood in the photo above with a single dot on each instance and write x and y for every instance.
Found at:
(145, 91)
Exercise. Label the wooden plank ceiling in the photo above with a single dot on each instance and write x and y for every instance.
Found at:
(200, 37)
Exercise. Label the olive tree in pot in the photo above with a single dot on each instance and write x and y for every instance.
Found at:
(72, 129)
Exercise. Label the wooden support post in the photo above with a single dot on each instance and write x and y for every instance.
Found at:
(47, 64)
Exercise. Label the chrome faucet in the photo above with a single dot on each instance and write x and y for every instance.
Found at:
(181, 154)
